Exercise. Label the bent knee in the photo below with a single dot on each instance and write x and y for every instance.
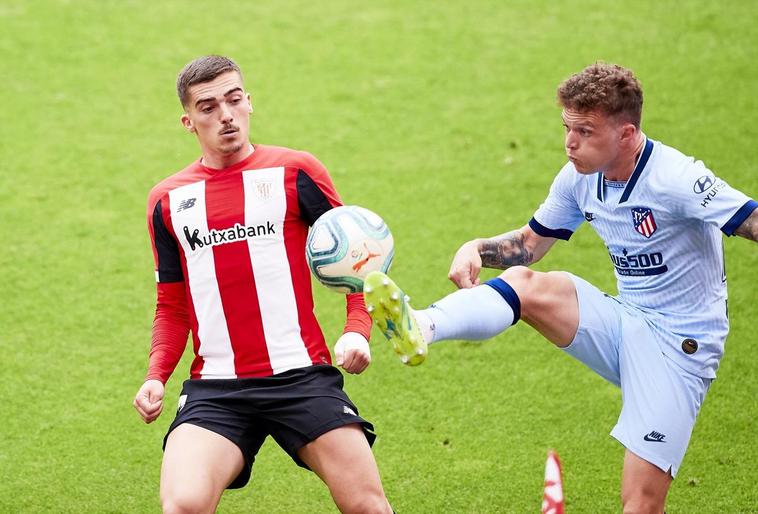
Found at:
(537, 290)
(368, 503)
(187, 502)
(527, 282)
(517, 274)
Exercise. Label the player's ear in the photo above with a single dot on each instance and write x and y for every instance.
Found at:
(249, 104)
(187, 122)
(628, 132)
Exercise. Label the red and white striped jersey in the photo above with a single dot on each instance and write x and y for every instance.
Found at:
(229, 248)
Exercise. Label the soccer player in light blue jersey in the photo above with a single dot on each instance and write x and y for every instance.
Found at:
(661, 215)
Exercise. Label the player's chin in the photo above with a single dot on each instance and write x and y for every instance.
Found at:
(230, 148)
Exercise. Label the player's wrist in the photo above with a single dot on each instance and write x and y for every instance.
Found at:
(352, 341)
(353, 335)
(353, 330)
(155, 378)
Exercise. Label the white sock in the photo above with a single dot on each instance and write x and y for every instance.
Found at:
(472, 314)
(425, 324)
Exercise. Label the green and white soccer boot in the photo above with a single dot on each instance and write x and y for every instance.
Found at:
(388, 307)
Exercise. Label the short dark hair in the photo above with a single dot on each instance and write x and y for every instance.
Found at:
(610, 88)
(202, 69)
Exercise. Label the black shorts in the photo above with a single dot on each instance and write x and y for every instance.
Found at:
(294, 407)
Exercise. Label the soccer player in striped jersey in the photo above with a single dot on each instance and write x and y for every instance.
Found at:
(228, 235)
(661, 215)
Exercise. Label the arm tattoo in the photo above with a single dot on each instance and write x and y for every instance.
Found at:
(504, 251)
(749, 227)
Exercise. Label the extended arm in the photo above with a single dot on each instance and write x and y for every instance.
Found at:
(170, 330)
(171, 324)
(749, 228)
(520, 247)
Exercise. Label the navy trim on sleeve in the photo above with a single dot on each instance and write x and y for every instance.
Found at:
(169, 263)
(637, 171)
(740, 216)
(311, 199)
(542, 230)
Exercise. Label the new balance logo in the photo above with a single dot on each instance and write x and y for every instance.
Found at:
(589, 216)
(655, 437)
(186, 204)
(348, 410)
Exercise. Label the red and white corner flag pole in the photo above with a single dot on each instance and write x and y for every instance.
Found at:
(552, 499)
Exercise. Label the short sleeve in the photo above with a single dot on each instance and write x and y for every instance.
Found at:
(706, 197)
(559, 215)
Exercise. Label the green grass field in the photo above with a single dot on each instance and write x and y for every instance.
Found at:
(440, 116)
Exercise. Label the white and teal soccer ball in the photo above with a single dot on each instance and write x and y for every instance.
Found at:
(347, 243)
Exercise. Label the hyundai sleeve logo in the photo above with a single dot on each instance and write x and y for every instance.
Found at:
(703, 184)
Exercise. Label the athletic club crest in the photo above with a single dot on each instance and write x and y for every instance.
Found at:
(644, 222)
(263, 190)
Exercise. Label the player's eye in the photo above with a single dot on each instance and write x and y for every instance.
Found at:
(206, 109)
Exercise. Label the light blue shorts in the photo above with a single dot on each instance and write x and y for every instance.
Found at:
(660, 400)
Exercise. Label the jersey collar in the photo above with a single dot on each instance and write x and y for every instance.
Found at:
(638, 169)
(234, 167)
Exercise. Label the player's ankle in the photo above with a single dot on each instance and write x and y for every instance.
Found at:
(425, 325)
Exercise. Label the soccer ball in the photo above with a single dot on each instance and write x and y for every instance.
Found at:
(347, 243)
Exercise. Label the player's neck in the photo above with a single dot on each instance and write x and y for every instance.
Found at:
(219, 161)
(623, 167)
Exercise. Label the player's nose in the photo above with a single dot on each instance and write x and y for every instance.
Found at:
(226, 114)
(572, 141)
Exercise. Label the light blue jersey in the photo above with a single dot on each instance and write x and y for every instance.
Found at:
(663, 230)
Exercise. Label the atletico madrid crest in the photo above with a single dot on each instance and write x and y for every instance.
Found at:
(644, 222)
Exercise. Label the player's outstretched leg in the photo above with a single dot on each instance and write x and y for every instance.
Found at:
(389, 309)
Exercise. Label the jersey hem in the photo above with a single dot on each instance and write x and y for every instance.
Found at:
(661, 463)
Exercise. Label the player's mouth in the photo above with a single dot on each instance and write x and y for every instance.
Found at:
(228, 131)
